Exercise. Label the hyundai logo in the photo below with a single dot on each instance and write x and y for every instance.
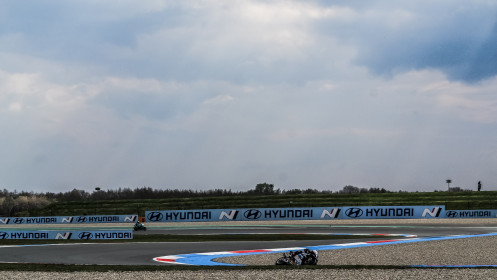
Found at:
(155, 216)
(451, 214)
(18, 220)
(252, 214)
(85, 235)
(3, 235)
(81, 219)
(353, 212)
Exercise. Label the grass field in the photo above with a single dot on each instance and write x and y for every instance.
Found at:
(451, 200)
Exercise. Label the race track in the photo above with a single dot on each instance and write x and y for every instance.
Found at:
(144, 253)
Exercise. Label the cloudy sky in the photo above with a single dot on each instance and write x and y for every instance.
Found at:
(211, 94)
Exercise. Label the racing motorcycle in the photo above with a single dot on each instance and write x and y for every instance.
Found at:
(139, 226)
(287, 259)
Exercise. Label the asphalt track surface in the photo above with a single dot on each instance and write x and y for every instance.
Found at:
(143, 253)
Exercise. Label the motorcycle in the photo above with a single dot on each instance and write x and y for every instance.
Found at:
(139, 226)
(287, 259)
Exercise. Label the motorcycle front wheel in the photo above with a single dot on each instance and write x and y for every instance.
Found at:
(311, 261)
(283, 261)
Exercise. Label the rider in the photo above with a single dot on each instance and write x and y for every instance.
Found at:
(302, 257)
(311, 256)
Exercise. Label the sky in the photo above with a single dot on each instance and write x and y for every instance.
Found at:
(213, 94)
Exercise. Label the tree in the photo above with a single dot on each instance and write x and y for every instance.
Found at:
(350, 189)
(10, 204)
(77, 195)
(264, 188)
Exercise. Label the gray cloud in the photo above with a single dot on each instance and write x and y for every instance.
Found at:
(208, 41)
(457, 38)
(208, 94)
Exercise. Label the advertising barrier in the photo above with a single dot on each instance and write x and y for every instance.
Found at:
(69, 219)
(81, 235)
(310, 213)
(462, 214)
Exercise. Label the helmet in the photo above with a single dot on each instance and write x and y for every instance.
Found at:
(307, 251)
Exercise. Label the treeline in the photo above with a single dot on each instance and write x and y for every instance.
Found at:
(149, 193)
(137, 193)
(268, 189)
(14, 202)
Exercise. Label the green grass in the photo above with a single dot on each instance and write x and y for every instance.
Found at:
(451, 200)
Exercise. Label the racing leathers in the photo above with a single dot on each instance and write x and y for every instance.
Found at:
(305, 257)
